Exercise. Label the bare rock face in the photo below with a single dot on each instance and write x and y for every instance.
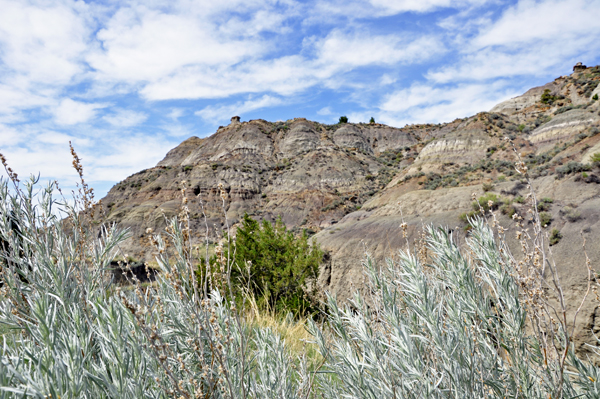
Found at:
(523, 102)
(309, 174)
(351, 137)
(180, 152)
(355, 184)
(564, 126)
(301, 138)
(384, 138)
(468, 143)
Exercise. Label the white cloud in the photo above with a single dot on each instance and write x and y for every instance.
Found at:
(490, 64)
(125, 118)
(427, 103)
(355, 49)
(55, 138)
(387, 79)
(71, 112)
(175, 114)
(224, 112)
(260, 21)
(51, 161)
(13, 98)
(125, 156)
(553, 20)
(330, 11)
(530, 38)
(141, 44)
(9, 136)
(44, 41)
(42, 46)
(324, 111)
(178, 130)
(337, 53)
(107, 155)
(398, 6)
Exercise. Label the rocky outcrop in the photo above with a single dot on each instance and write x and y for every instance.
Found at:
(523, 102)
(309, 174)
(349, 136)
(564, 127)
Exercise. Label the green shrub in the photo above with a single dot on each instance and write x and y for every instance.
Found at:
(547, 98)
(572, 167)
(519, 199)
(482, 202)
(595, 98)
(555, 237)
(343, 119)
(485, 201)
(563, 109)
(543, 206)
(487, 187)
(372, 120)
(465, 216)
(277, 267)
(596, 159)
(544, 203)
(545, 219)
(508, 209)
(572, 215)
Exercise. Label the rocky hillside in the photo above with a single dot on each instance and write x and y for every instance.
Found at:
(310, 174)
(354, 184)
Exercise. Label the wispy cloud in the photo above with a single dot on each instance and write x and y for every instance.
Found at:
(70, 112)
(553, 20)
(224, 112)
(125, 118)
(397, 6)
(529, 38)
(422, 103)
(324, 111)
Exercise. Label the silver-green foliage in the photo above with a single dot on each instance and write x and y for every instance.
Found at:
(454, 327)
(67, 332)
(451, 326)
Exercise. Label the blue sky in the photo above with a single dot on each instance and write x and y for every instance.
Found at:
(126, 81)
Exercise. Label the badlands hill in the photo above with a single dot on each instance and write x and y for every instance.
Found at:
(354, 184)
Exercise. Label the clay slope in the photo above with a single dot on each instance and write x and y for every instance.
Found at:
(556, 138)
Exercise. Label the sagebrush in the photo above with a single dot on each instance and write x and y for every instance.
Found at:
(441, 321)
